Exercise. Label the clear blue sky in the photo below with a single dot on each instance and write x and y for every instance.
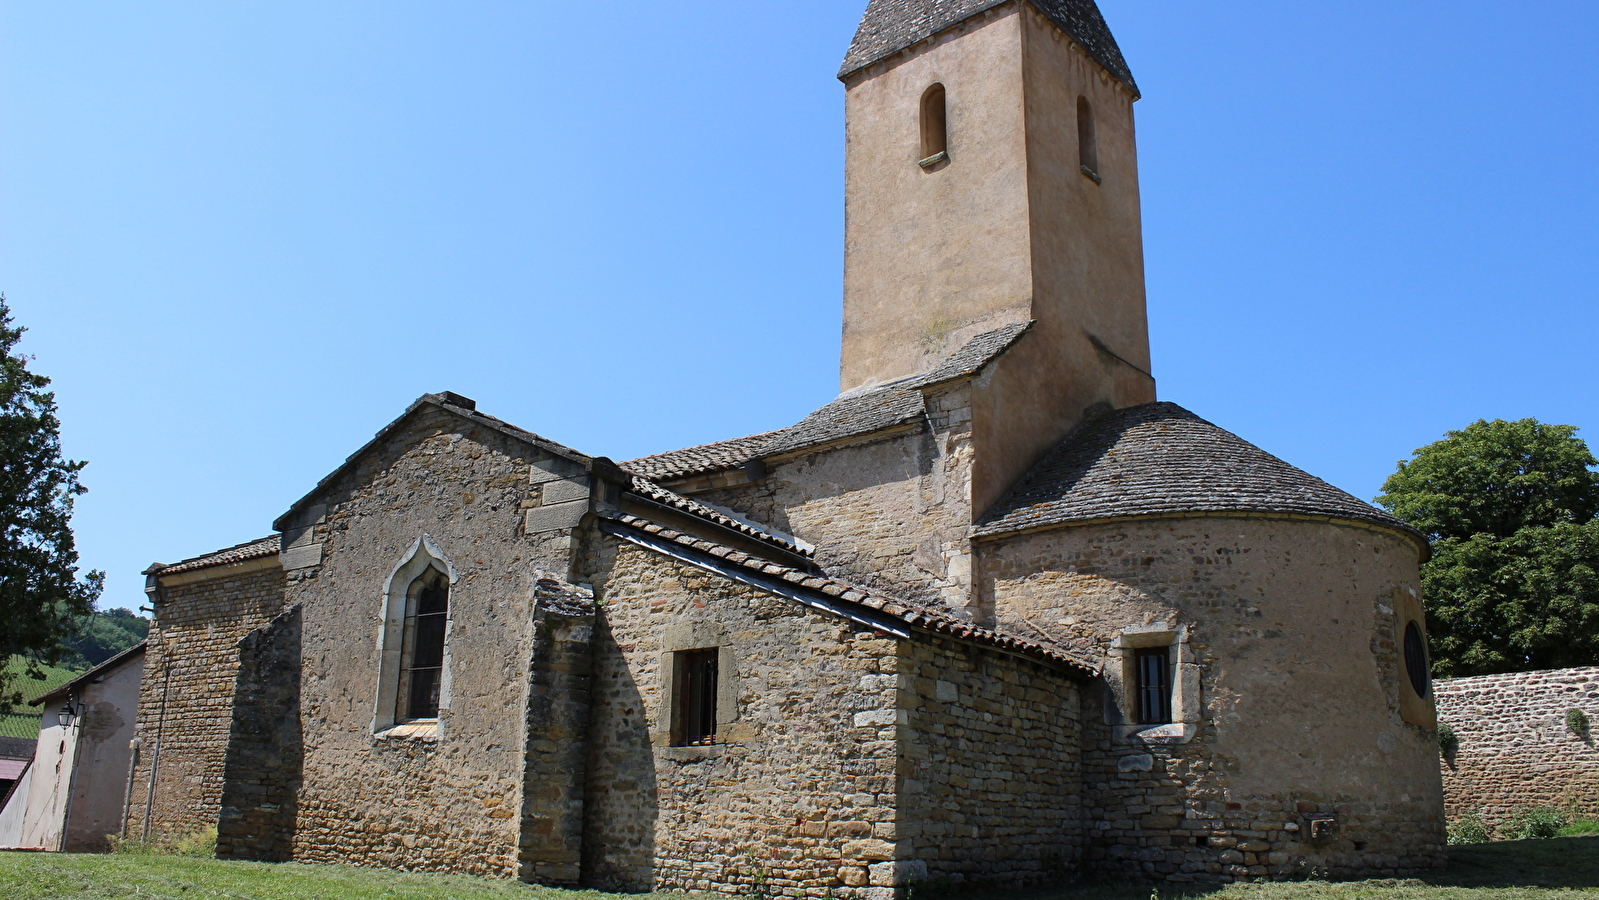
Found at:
(245, 235)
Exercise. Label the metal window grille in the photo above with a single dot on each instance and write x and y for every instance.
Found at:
(422, 651)
(1154, 685)
(697, 674)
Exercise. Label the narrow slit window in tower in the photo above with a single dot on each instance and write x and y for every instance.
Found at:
(935, 128)
(422, 650)
(1087, 147)
(1154, 685)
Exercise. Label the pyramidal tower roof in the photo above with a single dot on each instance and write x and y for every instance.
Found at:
(890, 26)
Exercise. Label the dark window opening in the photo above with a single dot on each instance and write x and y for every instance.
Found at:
(697, 672)
(935, 127)
(422, 651)
(1416, 664)
(1087, 147)
(1154, 685)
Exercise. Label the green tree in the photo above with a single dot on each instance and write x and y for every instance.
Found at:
(102, 635)
(1513, 582)
(41, 593)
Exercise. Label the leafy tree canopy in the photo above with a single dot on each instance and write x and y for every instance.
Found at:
(1495, 478)
(1513, 582)
(41, 593)
(102, 635)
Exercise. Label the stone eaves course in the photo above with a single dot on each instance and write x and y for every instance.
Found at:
(890, 26)
(1159, 459)
(900, 611)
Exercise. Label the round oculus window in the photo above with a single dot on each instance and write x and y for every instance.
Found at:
(1416, 665)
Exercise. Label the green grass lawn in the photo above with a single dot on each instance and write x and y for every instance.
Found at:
(1508, 870)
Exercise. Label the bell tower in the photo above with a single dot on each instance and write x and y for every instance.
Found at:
(991, 177)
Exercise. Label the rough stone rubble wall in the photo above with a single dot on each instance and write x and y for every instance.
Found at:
(555, 761)
(261, 773)
(1515, 747)
(191, 663)
(447, 798)
(891, 514)
(1290, 634)
(800, 791)
(990, 771)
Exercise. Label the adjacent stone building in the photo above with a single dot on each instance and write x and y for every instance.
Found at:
(994, 614)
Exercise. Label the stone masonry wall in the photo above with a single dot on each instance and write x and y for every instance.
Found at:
(798, 793)
(446, 796)
(990, 766)
(261, 773)
(555, 765)
(186, 699)
(1288, 688)
(1515, 748)
(891, 514)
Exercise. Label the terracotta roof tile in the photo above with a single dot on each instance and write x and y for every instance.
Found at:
(926, 619)
(643, 487)
(256, 549)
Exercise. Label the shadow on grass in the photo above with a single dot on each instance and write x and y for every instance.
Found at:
(1571, 862)
(1555, 863)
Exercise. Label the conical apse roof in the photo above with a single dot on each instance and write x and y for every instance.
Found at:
(1160, 459)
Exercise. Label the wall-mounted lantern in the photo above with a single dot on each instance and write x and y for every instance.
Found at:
(66, 714)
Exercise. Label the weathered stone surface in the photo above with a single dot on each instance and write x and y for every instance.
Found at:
(1515, 748)
(187, 696)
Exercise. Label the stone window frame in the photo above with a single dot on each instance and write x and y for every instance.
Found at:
(1407, 608)
(416, 561)
(1121, 678)
(683, 638)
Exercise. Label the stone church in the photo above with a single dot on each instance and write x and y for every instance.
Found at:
(993, 614)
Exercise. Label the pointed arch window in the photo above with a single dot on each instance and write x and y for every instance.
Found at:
(427, 609)
(1087, 145)
(414, 644)
(935, 127)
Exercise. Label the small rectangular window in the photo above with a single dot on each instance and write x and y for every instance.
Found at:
(697, 672)
(1154, 685)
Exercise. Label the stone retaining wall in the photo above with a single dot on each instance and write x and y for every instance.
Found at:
(1515, 748)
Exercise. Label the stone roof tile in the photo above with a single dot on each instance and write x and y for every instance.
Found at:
(852, 415)
(1159, 459)
(729, 454)
(977, 353)
(889, 26)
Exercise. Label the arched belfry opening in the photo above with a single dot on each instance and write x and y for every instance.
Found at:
(935, 126)
(1087, 147)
